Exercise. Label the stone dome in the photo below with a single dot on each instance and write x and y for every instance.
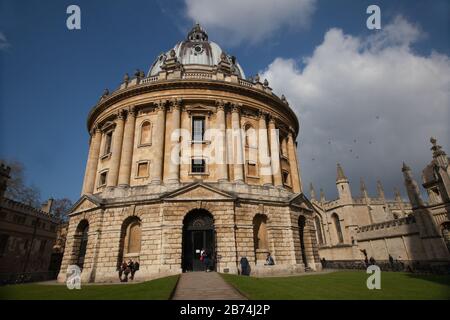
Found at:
(196, 52)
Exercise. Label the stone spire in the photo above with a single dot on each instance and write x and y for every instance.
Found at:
(343, 186)
(399, 200)
(363, 189)
(340, 174)
(312, 191)
(380, 190)
(437, 149)
(412, 187)
(442, 169)
(322, 196)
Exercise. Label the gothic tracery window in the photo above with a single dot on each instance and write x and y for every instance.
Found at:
(337, 226)
(319, 232)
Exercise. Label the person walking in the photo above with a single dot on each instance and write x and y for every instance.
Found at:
(206, 260)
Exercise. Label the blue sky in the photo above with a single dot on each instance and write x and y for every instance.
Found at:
(51, 77)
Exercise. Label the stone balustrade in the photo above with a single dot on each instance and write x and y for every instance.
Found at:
(387, 224)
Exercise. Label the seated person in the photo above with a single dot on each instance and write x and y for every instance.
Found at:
(269, 260)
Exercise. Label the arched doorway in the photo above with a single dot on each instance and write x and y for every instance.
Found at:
(198, 234)
(81, 241)
(301, 233)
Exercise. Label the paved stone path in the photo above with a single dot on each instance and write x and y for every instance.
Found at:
(204, 286)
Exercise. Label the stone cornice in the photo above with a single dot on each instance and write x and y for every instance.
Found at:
(118, 95)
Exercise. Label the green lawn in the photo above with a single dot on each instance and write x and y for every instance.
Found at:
(349, 285)
(159, 289)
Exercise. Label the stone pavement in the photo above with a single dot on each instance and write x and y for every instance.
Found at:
(204, 286)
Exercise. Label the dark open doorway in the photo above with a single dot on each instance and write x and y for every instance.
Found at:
(198, 234)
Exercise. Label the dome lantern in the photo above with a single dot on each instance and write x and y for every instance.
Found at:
(197, 34)
(196, 53)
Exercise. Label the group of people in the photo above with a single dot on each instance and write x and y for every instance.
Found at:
(128, 269)
(245, 265)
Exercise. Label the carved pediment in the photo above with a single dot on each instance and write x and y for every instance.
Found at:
(196, 192)
(199, 109)
(84, 204)
(300, 200)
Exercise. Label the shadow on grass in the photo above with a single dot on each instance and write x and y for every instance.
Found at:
(439, 279)
(158, 289)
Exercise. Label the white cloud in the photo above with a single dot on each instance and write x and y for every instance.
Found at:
(235, 21)
(4, 44)
(369, 103)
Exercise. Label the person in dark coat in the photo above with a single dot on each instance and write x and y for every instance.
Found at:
(245, 266)
(135, 268)
(127, 271)
(269, 260)
(391, 262)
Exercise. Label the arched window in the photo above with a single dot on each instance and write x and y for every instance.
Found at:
(319, 233)
(260, 232)
(301, 234)
(284, 150)
(130, 239)
(81, 242)
(133, 237)
(260, 238)
(146, 133)
(337, 227)
(250, 136)
(108, 142)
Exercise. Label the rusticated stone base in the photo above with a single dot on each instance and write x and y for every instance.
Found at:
(162, 221)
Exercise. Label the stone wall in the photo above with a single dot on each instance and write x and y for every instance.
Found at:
(162, 235)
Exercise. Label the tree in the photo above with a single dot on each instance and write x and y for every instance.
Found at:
(61, 208)
(17, 189)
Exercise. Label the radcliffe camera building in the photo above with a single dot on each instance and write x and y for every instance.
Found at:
(160, 199)
(195, 155)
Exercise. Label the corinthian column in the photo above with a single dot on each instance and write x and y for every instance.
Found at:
(275, 153)
(293, 165)
(174, 159)
(126, 157)
(221, 143)
(237, 137)
(91, 166)
(265, 170)
(157, 168)
(116, 151)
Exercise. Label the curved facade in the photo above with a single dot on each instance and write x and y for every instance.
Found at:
(192, 156)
